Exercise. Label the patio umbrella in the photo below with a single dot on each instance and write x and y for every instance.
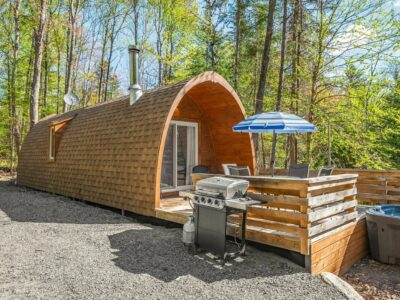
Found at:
(274, 122)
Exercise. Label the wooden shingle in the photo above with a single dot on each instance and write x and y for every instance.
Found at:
(111, 153)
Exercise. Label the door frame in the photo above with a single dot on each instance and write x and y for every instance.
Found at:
(176, 123)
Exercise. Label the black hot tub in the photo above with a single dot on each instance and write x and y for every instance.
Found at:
(383, 223)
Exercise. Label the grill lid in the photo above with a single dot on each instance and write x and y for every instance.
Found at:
(225, 188)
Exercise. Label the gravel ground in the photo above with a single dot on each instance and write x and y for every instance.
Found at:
(54, 248)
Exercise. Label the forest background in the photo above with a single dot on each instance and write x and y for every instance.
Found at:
(334, 62)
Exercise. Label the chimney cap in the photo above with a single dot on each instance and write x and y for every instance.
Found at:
(133, 48)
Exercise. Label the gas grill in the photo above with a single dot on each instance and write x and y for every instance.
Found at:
(214, 199)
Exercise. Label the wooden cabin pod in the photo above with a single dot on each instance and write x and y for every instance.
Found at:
(112, 153)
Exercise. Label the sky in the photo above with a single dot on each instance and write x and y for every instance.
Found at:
(122, 60)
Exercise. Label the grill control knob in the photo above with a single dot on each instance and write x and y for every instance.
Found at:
(216, 202)
(209, 201)
(203, 200)
(196, 198)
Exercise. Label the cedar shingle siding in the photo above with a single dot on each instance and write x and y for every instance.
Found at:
(108, 153)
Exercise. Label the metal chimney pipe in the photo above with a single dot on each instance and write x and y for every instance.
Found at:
(135, 91)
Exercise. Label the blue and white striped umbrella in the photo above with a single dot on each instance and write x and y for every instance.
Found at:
(274, 122)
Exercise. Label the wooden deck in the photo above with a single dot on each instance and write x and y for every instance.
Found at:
(312, 216)
(335, 252)
(174, 209)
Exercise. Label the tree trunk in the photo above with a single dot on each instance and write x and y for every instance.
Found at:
(113, 35)
(292, 149)
(136, 21)
(287, 154)
(10, 115)
(73, 11)
(46, 68)
(298, 55)
(211, 34)
(28, 80)
(295, 66)
(70, 51)
(103, 53)
(15, 130)
(158, 24)
(171, 54)
(110, 54)
(256, 67)
(66, 80)
(264, 64)
(38, 34)
(87, 91)
(295, 82)
(58, 77)
(314, 78)
(280, 83)
(76, 58)
(237, 44)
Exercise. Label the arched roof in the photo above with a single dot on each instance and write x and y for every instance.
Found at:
(111, 153)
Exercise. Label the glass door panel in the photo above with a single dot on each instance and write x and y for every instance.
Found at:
(167, 172)
(180, 155)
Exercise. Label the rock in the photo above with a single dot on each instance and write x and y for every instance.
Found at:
(345, 288)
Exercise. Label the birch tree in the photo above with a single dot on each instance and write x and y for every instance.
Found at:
(15, 135)
(38, 35)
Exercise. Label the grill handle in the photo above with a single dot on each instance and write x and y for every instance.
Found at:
(209, 193)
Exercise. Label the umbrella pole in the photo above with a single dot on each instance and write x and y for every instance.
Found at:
(273, 162)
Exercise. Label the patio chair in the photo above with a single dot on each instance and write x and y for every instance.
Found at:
(325, 171)
(299, 170)
(226, 168)
(239, 171)
(200, 169)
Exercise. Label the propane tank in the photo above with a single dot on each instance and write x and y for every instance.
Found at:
(188, 232)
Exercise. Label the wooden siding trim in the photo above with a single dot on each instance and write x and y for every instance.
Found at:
(62, 121)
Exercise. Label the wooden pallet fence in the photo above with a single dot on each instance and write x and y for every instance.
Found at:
(293, 211)
(375, 187)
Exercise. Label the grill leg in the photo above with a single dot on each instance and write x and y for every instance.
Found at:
(243, 241)
(242, 250)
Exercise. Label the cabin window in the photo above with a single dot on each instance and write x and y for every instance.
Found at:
(52, 143)
(56, 131)
(180, 155)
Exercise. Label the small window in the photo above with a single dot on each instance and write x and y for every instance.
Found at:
(52, 143)
(56, 130)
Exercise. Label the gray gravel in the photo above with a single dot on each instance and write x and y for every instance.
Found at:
(52, 247)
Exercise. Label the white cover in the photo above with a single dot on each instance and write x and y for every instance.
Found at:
(228, 188)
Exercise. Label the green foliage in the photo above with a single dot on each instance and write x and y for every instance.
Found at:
(347, 73)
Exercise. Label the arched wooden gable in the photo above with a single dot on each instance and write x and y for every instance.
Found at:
(209, 100)
(111, 153)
